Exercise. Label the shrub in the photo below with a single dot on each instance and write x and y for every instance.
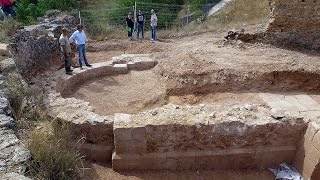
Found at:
(29, 10)
(54, 154)
(27, 104)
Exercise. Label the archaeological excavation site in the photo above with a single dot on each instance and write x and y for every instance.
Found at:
(196, 106)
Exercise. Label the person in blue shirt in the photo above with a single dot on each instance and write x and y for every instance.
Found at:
(79, 38)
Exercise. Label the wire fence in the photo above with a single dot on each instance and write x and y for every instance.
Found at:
(170, 16)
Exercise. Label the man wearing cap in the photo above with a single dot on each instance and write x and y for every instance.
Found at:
(66, 50)
(80, 39)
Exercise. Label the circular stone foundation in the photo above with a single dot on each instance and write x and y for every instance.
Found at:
(140, 123)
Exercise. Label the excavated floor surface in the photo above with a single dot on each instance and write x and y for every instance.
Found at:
(129, 93)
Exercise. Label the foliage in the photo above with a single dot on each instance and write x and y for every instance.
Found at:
(241, 12)
(126, 3)
(27, 104)
(29, 10)
(54, 154)
(8, 29)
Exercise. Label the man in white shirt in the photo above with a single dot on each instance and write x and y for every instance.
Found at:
(80, 38)
(153, 24)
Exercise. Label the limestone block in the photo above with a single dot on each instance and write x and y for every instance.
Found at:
(96, 152)
(141, 65)
(7, 65)
(121, 68)
(13, 176)
(3, 50)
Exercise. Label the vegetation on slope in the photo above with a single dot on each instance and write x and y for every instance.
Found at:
(241, 12)
(54, 153)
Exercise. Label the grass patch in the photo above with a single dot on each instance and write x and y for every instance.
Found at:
(240, 13)
(28, 104)
(54, 154)
(7, 29)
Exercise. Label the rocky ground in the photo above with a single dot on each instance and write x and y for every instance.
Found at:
(13, 153)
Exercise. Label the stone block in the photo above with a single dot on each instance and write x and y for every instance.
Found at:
(120, 68)
(313, 128)
(101, 153)
(226, 161)
(311, 152)
(3, 50)
(273, 158)
(141, 65)
(139, 134)
(122, 147)
(308, 168)
(316, 140)
(96, 152)
(122, 134)
(123, 163)
(7, 65)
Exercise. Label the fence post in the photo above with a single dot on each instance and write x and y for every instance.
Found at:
(135, 15)
(188, 11)
(80, 17)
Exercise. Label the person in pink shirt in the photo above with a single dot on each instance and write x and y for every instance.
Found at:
(7, 8)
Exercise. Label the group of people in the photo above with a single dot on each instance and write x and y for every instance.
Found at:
(140, 22)
(78, 39)
(7, 9)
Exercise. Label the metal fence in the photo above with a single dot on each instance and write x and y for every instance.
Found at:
(170, 16)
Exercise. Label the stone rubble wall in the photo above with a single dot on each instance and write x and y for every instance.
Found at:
(97, 130)
(294, 23)
(36, 49)
(13, 153)
(191, 137)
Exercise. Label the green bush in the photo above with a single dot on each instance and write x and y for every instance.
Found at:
(29, 10)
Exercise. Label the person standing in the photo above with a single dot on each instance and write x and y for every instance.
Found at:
(7, 8)
(140, 22)
(79, 38)
(66, 50)
(130, 25)
(153, 23)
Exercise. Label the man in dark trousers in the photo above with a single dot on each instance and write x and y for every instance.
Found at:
(66, 50)
(130, 25)
(140, 23)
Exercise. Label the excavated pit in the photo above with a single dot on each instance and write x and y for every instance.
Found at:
(223, 120)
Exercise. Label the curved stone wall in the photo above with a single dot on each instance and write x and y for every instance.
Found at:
(97, 130)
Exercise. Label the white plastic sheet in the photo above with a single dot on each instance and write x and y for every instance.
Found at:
(285, 172)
